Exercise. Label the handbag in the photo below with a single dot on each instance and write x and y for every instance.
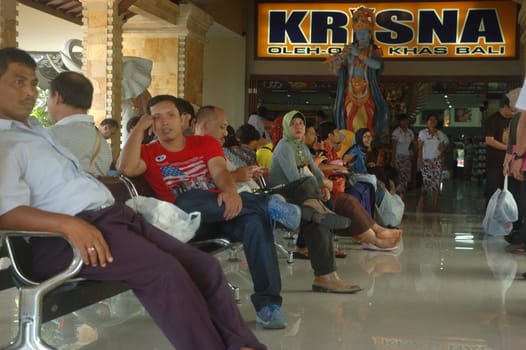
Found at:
(167, 217)
(501, 212)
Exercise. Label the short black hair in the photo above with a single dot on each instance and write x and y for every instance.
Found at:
(132, 122)
(230, 138)
(112, 123)
(247, 133)
(402, 116)
(15, 55)
(183, 106)
(75, 89)
(324, 129)
(504, 101)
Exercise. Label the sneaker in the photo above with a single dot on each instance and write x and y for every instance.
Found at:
(289, 215)
(270, 317)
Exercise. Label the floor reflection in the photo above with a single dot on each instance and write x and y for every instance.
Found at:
(447, 287)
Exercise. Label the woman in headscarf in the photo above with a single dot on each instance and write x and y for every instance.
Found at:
(305, 185)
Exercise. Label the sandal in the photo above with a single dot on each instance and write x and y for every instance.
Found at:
(331, 283)
(300, 256)
(340, 254)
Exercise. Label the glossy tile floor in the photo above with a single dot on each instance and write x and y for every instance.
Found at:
(448, 288)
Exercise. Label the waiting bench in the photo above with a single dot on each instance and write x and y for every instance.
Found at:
(41, 301)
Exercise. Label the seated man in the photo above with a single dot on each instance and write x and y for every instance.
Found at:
(240, 159)
(108, 127)
(70, 96)
(212, 120)
(191, 172)
(44, 189)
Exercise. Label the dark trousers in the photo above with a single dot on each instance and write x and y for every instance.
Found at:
(252, 228)
(183, 289)
(514, 186)
(521, 203)
(494, 180)
(317, 238)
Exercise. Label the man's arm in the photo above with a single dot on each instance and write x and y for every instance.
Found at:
(225, 182)
(130, 162)
(490, 141)
(81, 234)
(516, 169)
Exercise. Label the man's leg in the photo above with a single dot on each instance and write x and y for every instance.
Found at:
(321, 250)
(183, 289)
(494, 180)
(252, 228)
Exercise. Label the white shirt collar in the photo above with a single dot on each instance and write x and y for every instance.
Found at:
(76, 118)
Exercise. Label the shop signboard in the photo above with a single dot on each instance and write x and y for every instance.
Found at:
(403, 30)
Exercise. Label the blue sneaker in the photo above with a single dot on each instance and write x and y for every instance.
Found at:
(270, 317)
(289, 215)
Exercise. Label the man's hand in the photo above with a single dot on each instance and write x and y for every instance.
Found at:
(145, 123)
(246, 173)
(89, 240)
(233, 204)
(516, 169)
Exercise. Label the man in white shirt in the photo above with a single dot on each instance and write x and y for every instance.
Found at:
(70, 97)
(44, 189)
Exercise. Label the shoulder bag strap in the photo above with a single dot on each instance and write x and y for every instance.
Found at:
(96, 150)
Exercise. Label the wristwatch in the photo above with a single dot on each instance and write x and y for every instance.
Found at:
(515, 156)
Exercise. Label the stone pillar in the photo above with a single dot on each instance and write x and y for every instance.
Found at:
(191, 52)
(8, 24)
(176, 48)
(102, 59)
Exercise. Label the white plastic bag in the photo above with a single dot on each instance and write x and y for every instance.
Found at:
(501, 212)
(391, 209)
(167, 217)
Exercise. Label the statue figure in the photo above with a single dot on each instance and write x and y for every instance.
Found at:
(359, 101)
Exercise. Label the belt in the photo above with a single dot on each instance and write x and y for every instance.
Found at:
(103, 206)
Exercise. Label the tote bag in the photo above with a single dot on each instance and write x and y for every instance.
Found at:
(501, 212)
(167, 217)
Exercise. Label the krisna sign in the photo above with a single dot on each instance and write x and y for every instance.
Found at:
(403, 30)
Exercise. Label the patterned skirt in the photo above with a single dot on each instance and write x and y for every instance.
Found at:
(431, 173)
(403, 166)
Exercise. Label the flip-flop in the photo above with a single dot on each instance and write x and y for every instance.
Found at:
(370, 246)
(351, 290)
(340, 254)
(300, 256)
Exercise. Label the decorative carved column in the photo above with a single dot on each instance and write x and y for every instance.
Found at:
(8, 23)
(191, 52)
(102, 59)
(174, 41)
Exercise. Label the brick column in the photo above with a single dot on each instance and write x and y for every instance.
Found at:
(8, 23)
(176, 49)
(102, 59)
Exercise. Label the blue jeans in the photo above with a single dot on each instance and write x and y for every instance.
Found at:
(252, 227)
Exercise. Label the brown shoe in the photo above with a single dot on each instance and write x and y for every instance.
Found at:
(331, 283)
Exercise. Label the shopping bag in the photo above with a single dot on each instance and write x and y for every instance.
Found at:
(167, 217)
(391, 209)
(501, 212)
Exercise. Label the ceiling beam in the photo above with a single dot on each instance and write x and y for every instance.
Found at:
(51, 11)
(163, 9)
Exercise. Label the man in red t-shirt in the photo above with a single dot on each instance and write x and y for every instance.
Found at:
(191, 172)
